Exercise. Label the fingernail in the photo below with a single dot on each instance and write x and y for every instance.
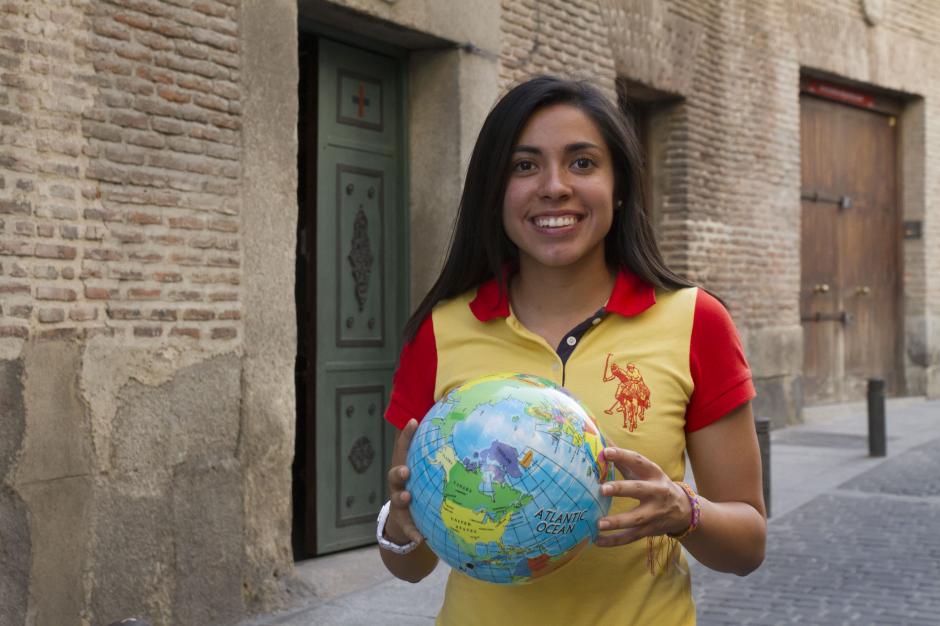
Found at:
(603, 524)
(608, 451)
(606, 490)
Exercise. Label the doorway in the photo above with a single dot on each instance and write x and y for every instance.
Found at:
(851, 276)
(351, 288)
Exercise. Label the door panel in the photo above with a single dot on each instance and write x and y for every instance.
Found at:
(850, 244)
(359, 287)
(360, 292)
(820, 297)
(351, 456)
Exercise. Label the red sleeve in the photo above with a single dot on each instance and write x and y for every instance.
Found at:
(413, 382)
(720, 375)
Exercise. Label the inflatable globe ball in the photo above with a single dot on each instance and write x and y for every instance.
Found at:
(505, 478)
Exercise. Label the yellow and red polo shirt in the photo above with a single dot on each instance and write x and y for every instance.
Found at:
(650, 365)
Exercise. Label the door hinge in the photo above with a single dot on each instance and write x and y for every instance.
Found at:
(842, 316)
(843, 202)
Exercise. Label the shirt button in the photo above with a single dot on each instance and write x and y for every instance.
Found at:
(555, 367)
(596, 321)
(571, 341)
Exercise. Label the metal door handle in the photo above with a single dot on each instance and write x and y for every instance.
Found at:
(864, 290)
(821, 288)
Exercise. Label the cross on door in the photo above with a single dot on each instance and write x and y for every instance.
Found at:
(360, 100)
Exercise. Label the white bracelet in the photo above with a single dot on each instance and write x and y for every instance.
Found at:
(384, 543)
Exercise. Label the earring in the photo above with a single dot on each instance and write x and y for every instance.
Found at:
(619, 204)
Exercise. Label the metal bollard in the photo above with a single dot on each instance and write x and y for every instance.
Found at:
(762, 424)
(877, 441)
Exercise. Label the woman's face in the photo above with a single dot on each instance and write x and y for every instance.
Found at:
(558, 205)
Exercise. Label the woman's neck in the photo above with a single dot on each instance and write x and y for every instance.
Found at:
(550, 301)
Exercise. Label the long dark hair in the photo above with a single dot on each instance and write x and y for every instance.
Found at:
(480, 248)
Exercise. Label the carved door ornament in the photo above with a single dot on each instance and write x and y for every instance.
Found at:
(360, 257)
(361, 454)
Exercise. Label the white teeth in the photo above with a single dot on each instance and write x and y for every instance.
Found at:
(555, 222)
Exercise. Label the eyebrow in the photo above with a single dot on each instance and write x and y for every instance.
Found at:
(571, 147)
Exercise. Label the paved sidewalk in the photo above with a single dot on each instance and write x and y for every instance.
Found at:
(851, 540)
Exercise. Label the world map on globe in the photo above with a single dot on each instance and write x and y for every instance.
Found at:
(505, 478)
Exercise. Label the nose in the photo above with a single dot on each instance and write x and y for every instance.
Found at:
(555, 184)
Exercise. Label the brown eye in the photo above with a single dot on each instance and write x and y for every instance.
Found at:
(523, 166)
(583, 163)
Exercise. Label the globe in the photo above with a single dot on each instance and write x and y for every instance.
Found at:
(505, 478)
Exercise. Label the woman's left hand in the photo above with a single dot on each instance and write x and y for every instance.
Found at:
(662, 508)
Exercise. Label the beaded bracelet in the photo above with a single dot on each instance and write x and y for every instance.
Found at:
(696, 511)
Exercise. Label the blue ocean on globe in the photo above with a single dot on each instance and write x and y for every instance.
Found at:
(505, 478)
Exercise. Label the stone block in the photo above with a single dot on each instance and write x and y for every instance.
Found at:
(15, 554)
(12, 413)
(774, 351)
(933, 382)
(916, 340)
(208, 526)
(133, 560)
(59, 511)
(194, 417)
(780, 399)
(58, 431)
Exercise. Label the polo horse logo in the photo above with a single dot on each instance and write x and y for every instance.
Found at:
(632, 397)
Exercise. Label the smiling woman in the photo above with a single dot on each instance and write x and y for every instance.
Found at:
(554, 271)
(557, 210)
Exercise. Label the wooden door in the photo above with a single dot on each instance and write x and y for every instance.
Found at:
(353, 291)
(850, 284)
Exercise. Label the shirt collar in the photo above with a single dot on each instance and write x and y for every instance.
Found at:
(631, 296)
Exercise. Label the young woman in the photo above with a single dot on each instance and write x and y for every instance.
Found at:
(553, 270)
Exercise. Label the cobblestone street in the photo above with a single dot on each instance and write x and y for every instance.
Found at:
(865, 553)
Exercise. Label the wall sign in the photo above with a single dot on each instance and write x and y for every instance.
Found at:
(837, 92)
(913, 229)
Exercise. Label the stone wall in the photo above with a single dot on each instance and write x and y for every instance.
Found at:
(128, 480)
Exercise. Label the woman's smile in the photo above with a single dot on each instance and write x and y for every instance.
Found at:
(556, 223)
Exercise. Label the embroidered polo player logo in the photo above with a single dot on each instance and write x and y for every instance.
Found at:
(632, 397)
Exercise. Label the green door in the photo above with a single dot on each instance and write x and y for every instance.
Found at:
(360, 286)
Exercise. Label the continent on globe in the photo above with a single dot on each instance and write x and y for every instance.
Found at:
(544, 564)
(463, 488)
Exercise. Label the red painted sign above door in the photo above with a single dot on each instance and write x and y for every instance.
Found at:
(839, 93)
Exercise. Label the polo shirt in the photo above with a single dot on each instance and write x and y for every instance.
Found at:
(651, 366)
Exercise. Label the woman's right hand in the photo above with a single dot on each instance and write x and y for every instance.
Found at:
(400, 527)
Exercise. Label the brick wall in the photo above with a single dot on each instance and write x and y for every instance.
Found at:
(561, 37)
(723, 209)
(119, 169)
(731, 160)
